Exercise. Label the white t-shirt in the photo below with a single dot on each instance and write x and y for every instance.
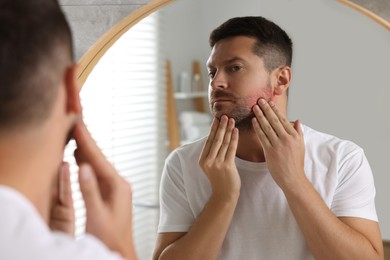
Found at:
(24, 235)
(263, 226)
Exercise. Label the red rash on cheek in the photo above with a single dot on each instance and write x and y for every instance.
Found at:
(251, 101)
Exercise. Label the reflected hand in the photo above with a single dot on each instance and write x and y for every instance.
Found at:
(282, 142)
(218, 158)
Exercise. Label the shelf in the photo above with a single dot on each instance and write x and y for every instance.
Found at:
(185, 95)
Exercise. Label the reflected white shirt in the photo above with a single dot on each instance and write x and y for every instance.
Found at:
(24, 235)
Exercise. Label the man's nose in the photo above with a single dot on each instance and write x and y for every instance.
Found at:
(219, 80)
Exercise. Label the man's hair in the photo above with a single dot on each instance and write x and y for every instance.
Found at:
(273, 44)
(35, 49)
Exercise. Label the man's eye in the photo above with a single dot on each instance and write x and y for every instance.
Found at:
(235, 68)
(211, 74)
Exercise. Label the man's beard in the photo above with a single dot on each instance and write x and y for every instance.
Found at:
(243, 118)
(241, 114)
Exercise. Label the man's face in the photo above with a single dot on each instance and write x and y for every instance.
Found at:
(238, 79)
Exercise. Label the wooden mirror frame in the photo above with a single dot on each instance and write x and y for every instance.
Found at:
(367, 12)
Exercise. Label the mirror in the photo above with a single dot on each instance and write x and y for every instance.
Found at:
(340, 81)
(340, 69)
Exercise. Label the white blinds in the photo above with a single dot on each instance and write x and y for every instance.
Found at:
(124, 107)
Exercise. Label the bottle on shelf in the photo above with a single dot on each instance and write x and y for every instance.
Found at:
(184, 84)
(196, 84)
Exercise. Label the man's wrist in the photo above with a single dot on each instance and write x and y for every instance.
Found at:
(226, 199)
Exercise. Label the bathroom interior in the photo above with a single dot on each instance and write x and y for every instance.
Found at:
(144, 83)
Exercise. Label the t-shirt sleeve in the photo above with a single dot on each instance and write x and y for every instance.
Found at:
(175, 212)
(355, 192)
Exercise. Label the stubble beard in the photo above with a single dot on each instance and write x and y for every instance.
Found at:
(243, 118)
(241, 115)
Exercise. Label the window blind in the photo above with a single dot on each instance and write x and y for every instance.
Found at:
(124, 108)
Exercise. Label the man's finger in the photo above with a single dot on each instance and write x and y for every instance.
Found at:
(90, 153)
(263, 128)
(226, 140)
(206, 148)
(89, 189)
(268, 109)
(231, 152)
(65, 188)
(287, 127)
(218, 138)
(298, 127)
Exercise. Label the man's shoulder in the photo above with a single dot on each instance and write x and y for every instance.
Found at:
(190, 149)
(322, 141)
(20, 221)
(184, 158)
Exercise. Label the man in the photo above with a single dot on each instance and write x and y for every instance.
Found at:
(39, 111)
(264, 188)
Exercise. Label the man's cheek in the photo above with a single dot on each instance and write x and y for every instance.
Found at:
(267, 95)
(252, 101)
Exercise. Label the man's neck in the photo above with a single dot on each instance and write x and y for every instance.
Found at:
(26, 165)
(249, 147)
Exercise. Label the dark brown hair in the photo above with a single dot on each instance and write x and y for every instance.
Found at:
(272, 43)
(35, 49)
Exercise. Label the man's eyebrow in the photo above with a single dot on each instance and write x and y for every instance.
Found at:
(234, 59)
(228, 61)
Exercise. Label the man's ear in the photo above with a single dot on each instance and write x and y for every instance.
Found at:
(283, 79)
(73, 104)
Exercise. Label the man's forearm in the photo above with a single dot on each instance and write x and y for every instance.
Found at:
(205, 238)
(326, 235)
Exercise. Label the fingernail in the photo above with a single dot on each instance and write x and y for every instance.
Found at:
(261, 101)
(86, 172)
(64, 169)
(256, 108)
(271, 103)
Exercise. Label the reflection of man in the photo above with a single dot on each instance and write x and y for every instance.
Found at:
(264, 188)
(39, 109)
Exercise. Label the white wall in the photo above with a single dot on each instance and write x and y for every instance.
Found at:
(341, 67)
(181, 30)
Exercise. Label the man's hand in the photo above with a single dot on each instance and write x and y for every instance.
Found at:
(217, 158)
(283, 144)
(107, 196)
(327, 236)
(62, 215)
(205, 237)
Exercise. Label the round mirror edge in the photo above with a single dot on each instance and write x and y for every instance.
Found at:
(367, 12)
(89, 60)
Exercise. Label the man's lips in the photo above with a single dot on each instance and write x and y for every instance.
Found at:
(221, 101)
(220, 96)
